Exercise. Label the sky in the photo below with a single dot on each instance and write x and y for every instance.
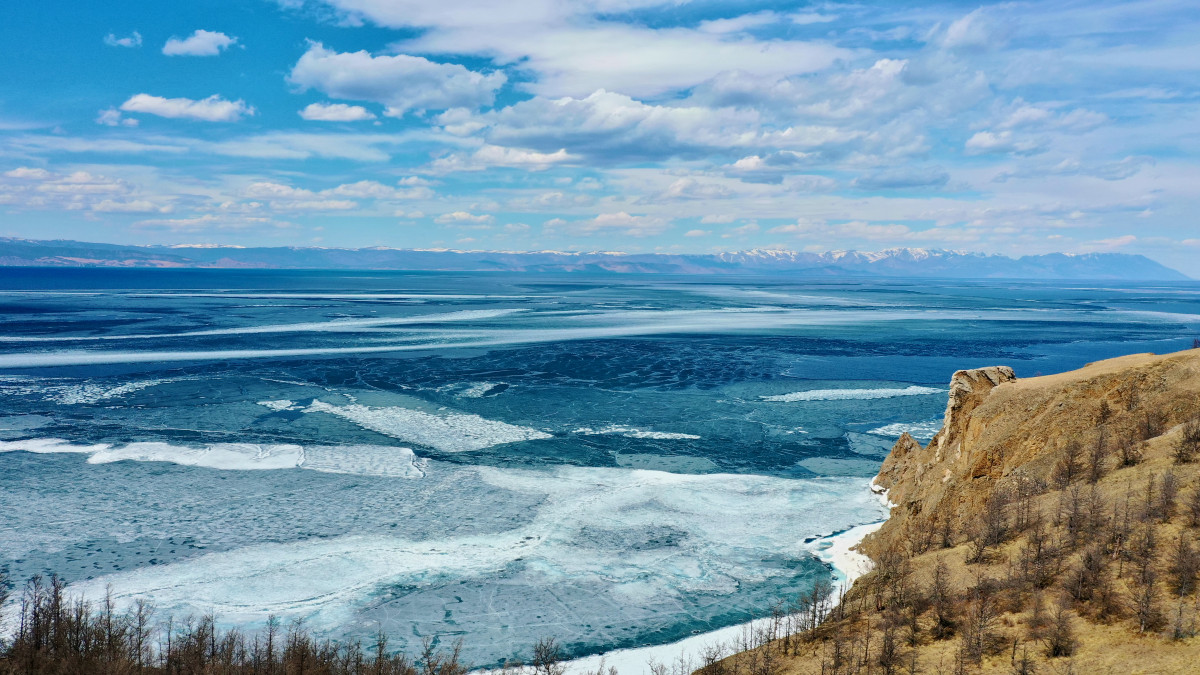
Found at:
(628, 125)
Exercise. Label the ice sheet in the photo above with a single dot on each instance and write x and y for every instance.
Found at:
(852, 394)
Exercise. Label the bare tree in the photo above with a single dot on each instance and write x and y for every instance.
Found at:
(1188, 445)
(941, 598)
(1185, 566)
(1060, 641)
(1069, 466)
(547, 658)
(1129, 450)
(1097, 460)
(1194, 508)
(1168, 493)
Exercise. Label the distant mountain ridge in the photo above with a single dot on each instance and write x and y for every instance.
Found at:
(895, 262)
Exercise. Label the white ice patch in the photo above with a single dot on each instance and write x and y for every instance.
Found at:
(837, 551)
(447, 431)
(354, 459)
(328, 581)
(43, 446)
(922, 431)
(75, 393)
(477, 389)
(631, 432)
(334, 326)
(277, 405)
(851, 394)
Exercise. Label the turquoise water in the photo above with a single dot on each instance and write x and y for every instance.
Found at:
(610, 460)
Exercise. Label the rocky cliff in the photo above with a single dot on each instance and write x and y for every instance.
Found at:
(1051, 526)
(998, 429)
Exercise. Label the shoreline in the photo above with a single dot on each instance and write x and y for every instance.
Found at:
(835, 550)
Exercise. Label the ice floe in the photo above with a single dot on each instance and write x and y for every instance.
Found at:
(632, 432)
(615, 545)
(364, 460)
(922, 431)
(445, 431)
(851, 394)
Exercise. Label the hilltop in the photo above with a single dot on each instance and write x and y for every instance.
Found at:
(898, 262)
(1050, 526)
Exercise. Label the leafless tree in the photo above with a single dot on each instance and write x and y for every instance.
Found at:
(941, 598)
(1060, 641)
(1188, 445)
(547, 658)
(1185, 566)
(1069, 466)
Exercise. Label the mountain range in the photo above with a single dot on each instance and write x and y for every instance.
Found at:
(895, 262)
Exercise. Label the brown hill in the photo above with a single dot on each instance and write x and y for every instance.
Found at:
(1050, 527)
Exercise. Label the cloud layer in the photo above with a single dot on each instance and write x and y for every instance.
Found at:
(626, 124)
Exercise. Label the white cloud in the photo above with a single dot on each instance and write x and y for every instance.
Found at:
(315, 205)
(571, 48)
(464, 218)
(741, 23)
(131, 206)
(690, 188)
(200, 43)
(402, 83)
(1110, 244)
(989, 141)
(211, 109)
(973, 32)
(211, 221)
(1023, 115)
(111, 117)
(369, 189)
(697, 233)
(609, 124)
(489, 156)
(619, 224)
(741, 231)
(335, 112)
(132, 40)
(27, 173)
(283, 197)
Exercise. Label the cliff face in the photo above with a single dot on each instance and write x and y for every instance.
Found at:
(998, 429)
(1052, 525)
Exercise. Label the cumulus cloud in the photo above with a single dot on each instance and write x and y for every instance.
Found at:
(211, 109)
(606, 124)
(489, 156)
(37, 188)
(335, 112)
(403, 83)
(200, 43)
(571, 49)
(27, 173)
(465, 218)
(618, 224)
(132, 40)
(283, 197)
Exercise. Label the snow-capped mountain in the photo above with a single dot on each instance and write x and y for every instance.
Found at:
(895, 262)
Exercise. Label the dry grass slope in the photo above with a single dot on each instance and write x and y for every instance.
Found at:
(1050, 527)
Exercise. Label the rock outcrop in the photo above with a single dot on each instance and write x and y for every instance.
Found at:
(998, 428)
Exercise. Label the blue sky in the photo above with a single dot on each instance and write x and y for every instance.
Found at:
(634, 125)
